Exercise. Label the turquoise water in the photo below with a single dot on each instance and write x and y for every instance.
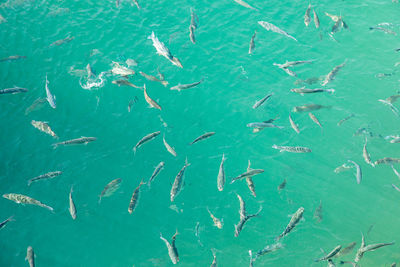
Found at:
(106, 234)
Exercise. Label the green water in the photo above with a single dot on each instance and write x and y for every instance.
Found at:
(106, 234)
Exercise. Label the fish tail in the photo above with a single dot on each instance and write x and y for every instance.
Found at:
(55, 145)
(99, 200)
(29, 182)
(331, 91)
(134, 150)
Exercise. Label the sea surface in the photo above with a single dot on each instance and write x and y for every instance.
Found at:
(106, 234)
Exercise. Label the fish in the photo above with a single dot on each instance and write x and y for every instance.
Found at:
(312, 116)
(22, 199)
(72, 208)
(271, 27)
(343, 167)
(38, 103)
(360, 251)
(177, 185)
(331, 254)
(392, 99)
(366, 156)
(202, 137)
(172, 251)
(387, 160)
(252, 44)
(250, 183)
(318, 213)
(168, 147)
(90, 71)
(251, 259)
(126, 83)
(145, 139)
(186, 86)
(131, 62)
(309, 107)
(81, 140)
(62, 41)
(48, 175)
(156, 171)
(292, 223)
(14, 90)
(393, 108)
(243, 216)
(44, 127)
(50, 98)
(338, 24)
(117, 69)
(316, 19)
(383, 30)
(244, 4)
(289, 64)
(153, 78)
(293, 149)
(214, 262)
(136, 3)
(358, 173)
(373, 247)
(349, 248)
(10, 58)
(304, 90)
(193, 19)
(221, 174)
(333, 17)
(395, 172)
(307, 18)
(262, 101)
(217, 222)
(331, 263)
(310, 81)
(134, 199)
(30, 256)
(289, 71)
(248, 173)
(293, 124)
(268, 249)
(191, 34)
(262, 125)
(151, 102)
(345, 119)
(162, 50)
(110, 188)
(331, 75)
(4, 223)
(282, 185)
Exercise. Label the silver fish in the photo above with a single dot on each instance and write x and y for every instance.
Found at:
(14, 90)
(191, 34)
(37, 104)
(82, 140)
(217, 222)
(4, 223)
(172, 251)
(250, 183)
(309, 107)
(202, 137)
(21, 199)
(48, 175)
(393, 108)
(177, 185)
(396, 188)
(136, 3)
(186, 86)
(262, 101)
(343, 167)
(358, 173)
(72, 208)
(153, 78)
(293, 124)
(162, 50)
(126, 83)
(16, 57)
(50, 98)
(331, 254)
(62, 41)
(312, 116)
(331, 75)
(293, 222)
(43, 127)
(383, 30)
(360, 251)
(221, 174)
(110, 188)
(289, 64)
(373, 247)
(248, 173)
(349, 248)
(345, 119)
(392, 99)
(169, 148)
(307, 18)
(135, 197)
(214, 262)
(30, 256)
(304, 90)
(271, 27)
(395, 172)
(262, 125)
(156, 171)
(268, 249)
(121, 70)
(366, 156)
(318, 213)
(193, 19)
(252, 44)
(316, 19)
(145, 139)
(293, 149)
(387, 160)
(90, 71)
(337, 25)
(282, 185)
(149, 100)
(244, 4)
(243, 216)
